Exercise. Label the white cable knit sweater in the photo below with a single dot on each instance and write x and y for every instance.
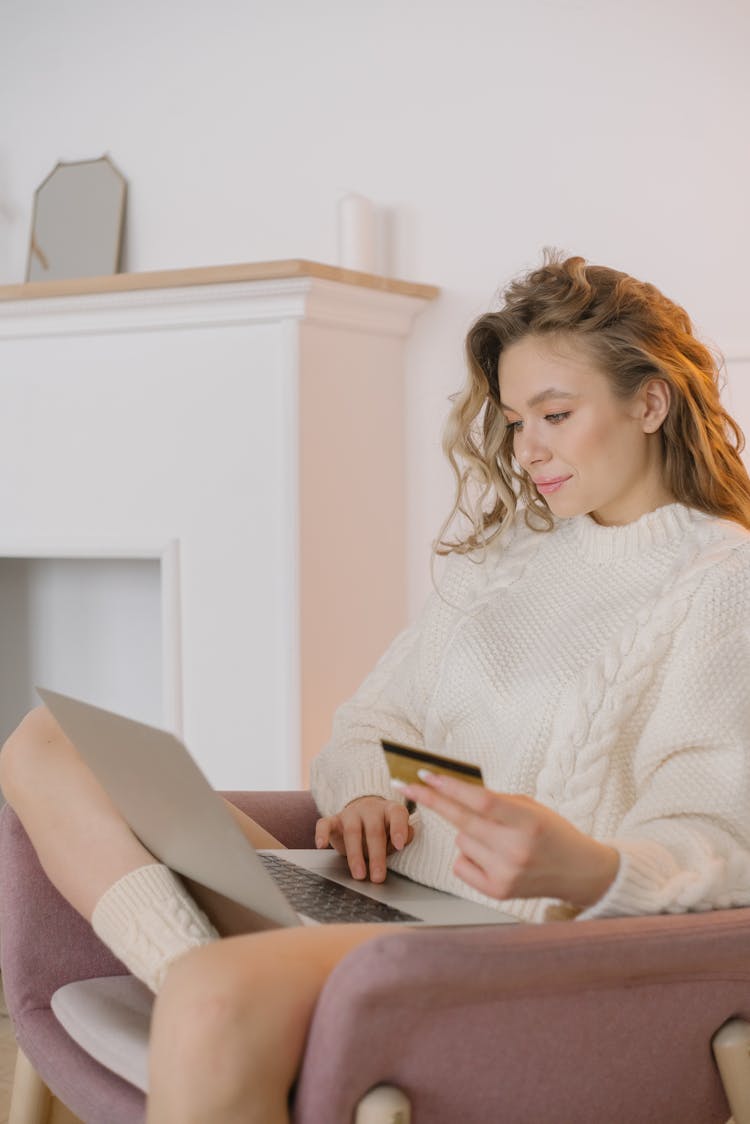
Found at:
(604, 671)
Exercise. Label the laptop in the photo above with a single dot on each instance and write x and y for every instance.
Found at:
(171, 807)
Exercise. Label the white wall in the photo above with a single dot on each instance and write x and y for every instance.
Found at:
(613, 128)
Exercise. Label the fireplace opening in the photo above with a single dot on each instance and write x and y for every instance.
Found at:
(88, 627)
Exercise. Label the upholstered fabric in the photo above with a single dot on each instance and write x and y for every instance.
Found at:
(577, 1024)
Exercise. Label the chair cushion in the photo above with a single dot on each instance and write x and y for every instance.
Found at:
(109, 1018)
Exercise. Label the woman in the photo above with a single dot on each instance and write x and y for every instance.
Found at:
(588, 647)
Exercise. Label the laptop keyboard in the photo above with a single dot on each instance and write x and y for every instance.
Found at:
(324, 900)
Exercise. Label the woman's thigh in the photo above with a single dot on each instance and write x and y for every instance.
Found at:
(252, 996)
(82, 841)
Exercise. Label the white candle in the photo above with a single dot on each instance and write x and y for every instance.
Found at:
(356, 223)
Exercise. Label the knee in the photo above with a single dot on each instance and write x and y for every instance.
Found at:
(23, 756)
(204, 998)
(207, 1024)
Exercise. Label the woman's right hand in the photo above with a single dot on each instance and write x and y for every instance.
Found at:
(366, 830)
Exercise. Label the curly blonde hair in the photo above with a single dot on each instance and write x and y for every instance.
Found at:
(633, 333)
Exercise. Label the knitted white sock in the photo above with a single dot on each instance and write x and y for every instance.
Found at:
(147, 919)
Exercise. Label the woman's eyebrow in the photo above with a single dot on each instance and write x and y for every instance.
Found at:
(550, 392)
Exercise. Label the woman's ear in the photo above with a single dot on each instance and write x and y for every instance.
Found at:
(655, 398)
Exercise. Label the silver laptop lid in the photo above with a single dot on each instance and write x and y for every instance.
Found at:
(160, 791)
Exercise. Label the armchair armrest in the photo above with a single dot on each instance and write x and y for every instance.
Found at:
(590, 1021)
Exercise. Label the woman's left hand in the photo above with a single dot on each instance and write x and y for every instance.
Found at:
(514, 847)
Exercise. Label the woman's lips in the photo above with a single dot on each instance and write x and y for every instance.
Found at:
(552, 485)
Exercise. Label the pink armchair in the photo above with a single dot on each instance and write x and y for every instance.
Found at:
(568, 1023)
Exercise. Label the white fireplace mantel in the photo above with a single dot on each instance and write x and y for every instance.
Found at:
(244, 427)
(313, 299)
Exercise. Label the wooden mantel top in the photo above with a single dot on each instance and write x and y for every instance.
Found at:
(212, 275)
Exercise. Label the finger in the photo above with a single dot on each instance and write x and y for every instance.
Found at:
(471, 807)
(472, 875)
(375, 835)
(352, 833)
(453, 811)
(497, 873)
(398, 825)
(390, 849)
(328, 833)
(337, 842)
(484, 857)
(323, 831)
(500, 806)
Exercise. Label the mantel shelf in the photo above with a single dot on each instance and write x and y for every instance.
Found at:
(213, 275)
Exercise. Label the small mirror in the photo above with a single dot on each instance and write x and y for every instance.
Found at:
(76, 229)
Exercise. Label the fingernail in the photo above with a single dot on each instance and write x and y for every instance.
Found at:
(318, 842)
(398, 841)
(359, 871)
(425, 775)
(400, 785)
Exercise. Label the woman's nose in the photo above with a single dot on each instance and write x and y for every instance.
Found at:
(530, 449)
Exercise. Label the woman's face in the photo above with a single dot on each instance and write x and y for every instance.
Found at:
(587, 451)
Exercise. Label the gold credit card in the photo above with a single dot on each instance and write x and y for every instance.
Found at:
(403, 762)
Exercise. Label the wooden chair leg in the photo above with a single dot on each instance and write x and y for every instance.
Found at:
(61, 1114)
(31, 1101)
(731, 1048)
(385, 1104)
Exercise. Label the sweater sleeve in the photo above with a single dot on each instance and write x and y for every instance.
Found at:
(685, 842)
(391, 703)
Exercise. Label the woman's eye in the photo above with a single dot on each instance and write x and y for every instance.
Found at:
(553, 419)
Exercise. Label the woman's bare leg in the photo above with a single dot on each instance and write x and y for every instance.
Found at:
(231, 1020)
(83, 843)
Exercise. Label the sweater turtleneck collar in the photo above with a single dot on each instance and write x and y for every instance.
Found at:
(666, 526)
